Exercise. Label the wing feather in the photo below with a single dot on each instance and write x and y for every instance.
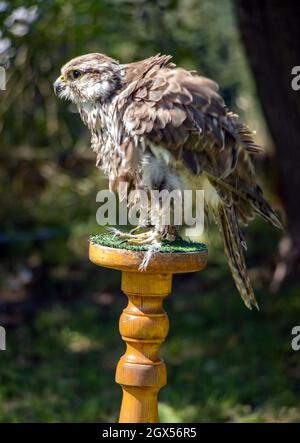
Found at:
(185, 114)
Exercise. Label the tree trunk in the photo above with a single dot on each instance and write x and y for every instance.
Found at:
(271, 34)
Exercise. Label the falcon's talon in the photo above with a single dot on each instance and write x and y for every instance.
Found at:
(149, 255)
(114, 231)
(136, 228)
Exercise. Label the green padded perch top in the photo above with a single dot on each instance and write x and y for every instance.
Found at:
(178, 245)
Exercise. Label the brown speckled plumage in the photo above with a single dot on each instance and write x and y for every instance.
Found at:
(155, 125)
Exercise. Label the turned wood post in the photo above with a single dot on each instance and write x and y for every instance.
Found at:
(144, 324)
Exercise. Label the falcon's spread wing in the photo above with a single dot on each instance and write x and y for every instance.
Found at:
(183, 112)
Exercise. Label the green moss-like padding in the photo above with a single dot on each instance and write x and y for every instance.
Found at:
(175, 246)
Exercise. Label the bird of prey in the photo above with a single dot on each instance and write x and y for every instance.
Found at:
(157, 126)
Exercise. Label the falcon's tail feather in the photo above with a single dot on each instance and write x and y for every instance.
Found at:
(233, 244)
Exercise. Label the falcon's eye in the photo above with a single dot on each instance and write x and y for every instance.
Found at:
(76, 74)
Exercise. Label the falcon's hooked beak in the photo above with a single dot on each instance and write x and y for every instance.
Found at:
(59, 84)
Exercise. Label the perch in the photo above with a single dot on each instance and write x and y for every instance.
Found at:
(144, 324)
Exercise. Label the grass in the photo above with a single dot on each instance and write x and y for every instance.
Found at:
(178, 245)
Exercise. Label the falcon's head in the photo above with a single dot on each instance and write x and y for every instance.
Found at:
(88, 78)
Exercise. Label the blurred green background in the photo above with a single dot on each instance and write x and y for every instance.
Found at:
(224, 362)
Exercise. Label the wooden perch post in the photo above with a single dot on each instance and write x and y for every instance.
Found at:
(144, 324)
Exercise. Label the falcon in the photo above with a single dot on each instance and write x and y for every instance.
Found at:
(157, 126)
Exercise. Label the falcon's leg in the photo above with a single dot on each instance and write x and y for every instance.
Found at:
(156, 176)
